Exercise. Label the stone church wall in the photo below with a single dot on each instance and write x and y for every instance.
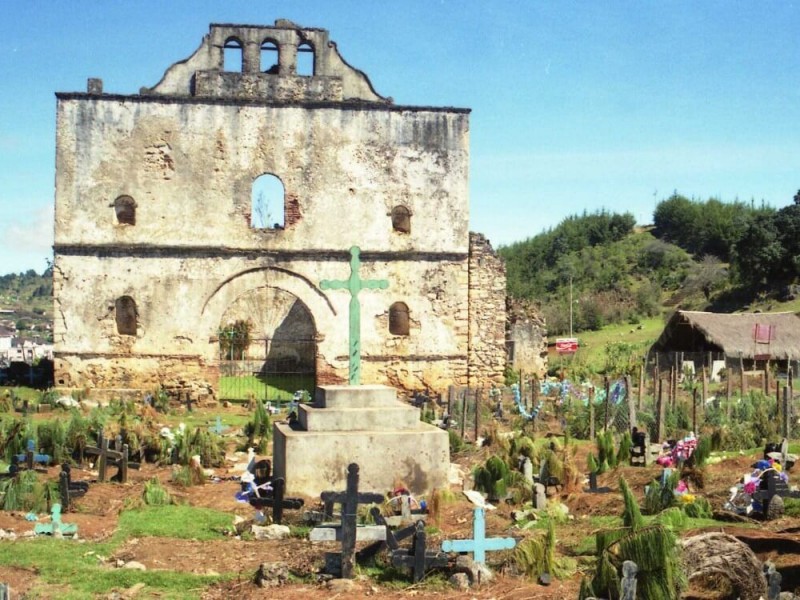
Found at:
(186, 260)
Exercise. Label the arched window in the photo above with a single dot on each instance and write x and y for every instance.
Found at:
(270, 57)
(125, 210)
(398, 318)
(305, 59)
(232, 56)
(401, 219)
(267, 198)
(126, 315)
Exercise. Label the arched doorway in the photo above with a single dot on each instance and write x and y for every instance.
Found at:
(267, 347)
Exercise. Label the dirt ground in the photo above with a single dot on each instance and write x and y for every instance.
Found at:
(97, 514)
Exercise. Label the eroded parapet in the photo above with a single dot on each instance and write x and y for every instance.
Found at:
(258, 62)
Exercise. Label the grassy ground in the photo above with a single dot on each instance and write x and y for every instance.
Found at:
(591, 353)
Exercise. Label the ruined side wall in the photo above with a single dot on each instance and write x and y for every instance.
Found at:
(487, 313)
(527, 332)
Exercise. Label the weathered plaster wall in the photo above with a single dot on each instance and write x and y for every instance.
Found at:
(486, 313)
(190, 166)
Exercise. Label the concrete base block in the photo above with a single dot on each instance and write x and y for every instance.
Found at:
(396, 416)
(315, 461)
(354, 396)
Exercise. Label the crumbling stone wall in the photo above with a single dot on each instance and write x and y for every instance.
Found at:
(184, 156)
(486, 314)
(527, 338)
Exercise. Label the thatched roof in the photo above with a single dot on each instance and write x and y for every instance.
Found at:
(745, 334)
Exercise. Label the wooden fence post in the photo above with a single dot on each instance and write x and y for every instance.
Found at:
(742, 378)
(591, 413)
(641, 387)
(607, 388)
(660, 411)
(631, 405)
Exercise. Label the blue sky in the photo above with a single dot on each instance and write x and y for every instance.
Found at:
(576, 106)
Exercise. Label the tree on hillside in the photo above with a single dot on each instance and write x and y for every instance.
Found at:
(759, 254)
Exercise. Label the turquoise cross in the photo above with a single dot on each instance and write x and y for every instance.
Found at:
(480, 543)
(354, 284)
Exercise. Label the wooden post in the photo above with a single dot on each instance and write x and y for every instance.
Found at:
(656, 377)
(661, 410)
(101, 462)
(478, 395)
(464, 412)
(742, 378)
(728, 391)
(631, 405)
(591, 413)
(694, 410)
(705, 388)
(607, 388)
(766, 379)
(778, 401)
(451, 394)
(787, 413)
(641, 387)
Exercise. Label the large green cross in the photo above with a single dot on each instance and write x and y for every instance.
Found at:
(355, 284)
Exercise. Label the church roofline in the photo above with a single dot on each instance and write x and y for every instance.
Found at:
(346, 105)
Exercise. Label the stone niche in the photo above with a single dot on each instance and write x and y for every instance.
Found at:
(366, 425)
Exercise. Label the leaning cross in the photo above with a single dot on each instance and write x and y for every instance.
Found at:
(355, 284)
(480, 543)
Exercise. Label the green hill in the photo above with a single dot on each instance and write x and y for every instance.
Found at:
(26, 300)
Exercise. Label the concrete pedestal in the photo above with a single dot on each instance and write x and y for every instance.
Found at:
(366, 425)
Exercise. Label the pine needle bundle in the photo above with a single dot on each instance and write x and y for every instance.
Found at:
(492, 478)
(654, 551)
(53, 440)
(701, 509)
(591, 463)
(26, 492)
(631, 515)
(155, 494)
(673, 518)
(702, 452)
(660, 496)
(625, 445)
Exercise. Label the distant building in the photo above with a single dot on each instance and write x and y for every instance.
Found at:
(752, 338)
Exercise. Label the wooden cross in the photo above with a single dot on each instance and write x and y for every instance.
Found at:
(69, 489)
(277, 500)
(417, 558)
(480, 544)
(349, 500)
(354, 284)
(30, 457)
(113, 457)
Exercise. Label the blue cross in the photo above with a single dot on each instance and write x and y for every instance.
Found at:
(480, 543)
(219, 428)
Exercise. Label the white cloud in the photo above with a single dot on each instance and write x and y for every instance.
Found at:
(27, 239)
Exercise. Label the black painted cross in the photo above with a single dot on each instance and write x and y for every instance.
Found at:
(350, 499)
(277, 500)
(354, 284)
(417, 557)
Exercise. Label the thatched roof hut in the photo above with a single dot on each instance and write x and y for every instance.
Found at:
(753, 336)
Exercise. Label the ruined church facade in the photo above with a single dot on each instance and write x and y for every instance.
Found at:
(164, 239)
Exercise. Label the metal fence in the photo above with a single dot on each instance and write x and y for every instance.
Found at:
(269, 369)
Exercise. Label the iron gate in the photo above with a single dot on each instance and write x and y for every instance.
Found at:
(267, 369)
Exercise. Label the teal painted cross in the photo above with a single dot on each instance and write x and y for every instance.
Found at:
(55, 527)
(480, 543)
(354, 284)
